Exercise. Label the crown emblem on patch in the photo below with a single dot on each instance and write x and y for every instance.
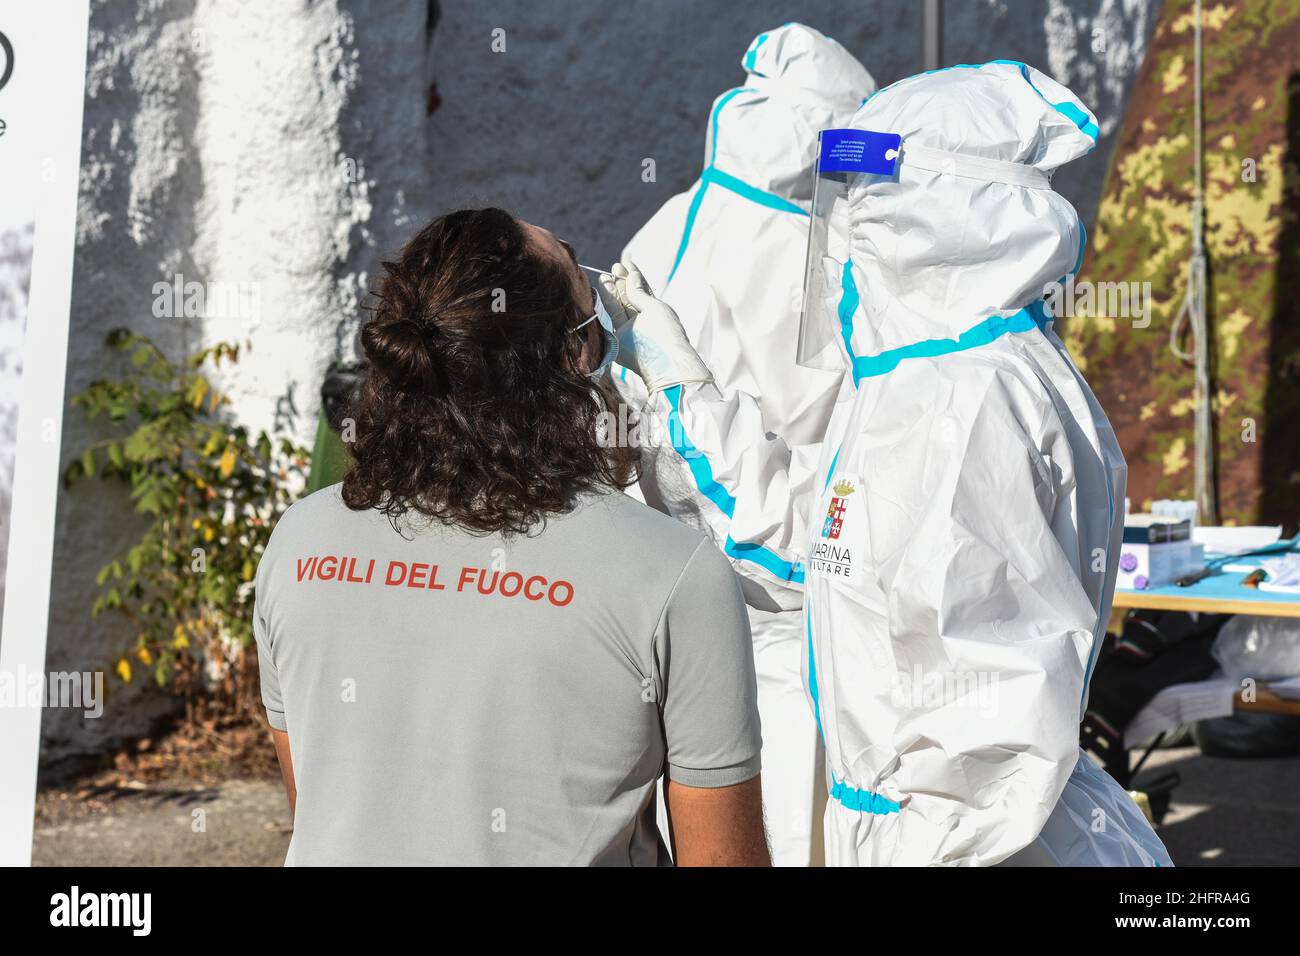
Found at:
(843, 488)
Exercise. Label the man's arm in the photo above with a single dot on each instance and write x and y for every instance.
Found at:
(281, 738)
(717, 826)
(710, 718)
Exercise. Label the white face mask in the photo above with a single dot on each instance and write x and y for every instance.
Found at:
(601, 315)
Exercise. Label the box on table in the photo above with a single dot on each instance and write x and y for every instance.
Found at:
(1156, 552)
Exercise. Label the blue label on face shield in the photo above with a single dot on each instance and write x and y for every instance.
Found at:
(858, 151)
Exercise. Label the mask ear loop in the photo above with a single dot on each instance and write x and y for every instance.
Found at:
(612, 343)
(586, 322)
(595, 315)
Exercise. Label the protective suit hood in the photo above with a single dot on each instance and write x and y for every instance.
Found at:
(764, 132)
(969, 226)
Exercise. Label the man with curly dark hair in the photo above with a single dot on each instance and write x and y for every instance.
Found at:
(484, 652)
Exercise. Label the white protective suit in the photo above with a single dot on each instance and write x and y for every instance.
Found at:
(728, 256)
(974, 487)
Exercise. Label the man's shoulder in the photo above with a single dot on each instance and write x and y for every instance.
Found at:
(329, 498)
(324, 508)
(636, 528)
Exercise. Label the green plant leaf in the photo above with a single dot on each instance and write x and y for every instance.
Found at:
(200, 482)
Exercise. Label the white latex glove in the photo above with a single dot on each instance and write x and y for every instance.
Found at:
(651, 340)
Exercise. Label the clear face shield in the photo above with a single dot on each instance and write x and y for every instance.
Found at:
(847, 160)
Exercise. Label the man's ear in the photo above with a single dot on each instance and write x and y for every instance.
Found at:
(584, 354)
(574, 357)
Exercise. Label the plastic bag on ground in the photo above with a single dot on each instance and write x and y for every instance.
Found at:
(1263, 648)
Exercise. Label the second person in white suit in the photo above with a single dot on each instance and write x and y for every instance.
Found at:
(728, 256)
(959, 526)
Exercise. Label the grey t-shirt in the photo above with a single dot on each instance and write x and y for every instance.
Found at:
(462, 699)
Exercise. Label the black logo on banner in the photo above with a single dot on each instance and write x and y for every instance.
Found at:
(7, 68)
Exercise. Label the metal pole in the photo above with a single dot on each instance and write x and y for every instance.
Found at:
(1204, 477)
(932, 35)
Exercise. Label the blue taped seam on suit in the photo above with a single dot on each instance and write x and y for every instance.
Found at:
(751, 55)
(1099, 631)
(849, 301)
(712, 174)
(826, 484)
(713, 120)
(691, 212)
(709, 487)
(862, 800)
(1110, 513)
(1083, 245)
(695, 461)
(770, 562)
(980, 334)
(1069, 110)
(812, 675)
(851, 797)
(1032, 316)
(745, 191)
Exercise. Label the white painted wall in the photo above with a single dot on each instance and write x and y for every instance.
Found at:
(287, 144)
